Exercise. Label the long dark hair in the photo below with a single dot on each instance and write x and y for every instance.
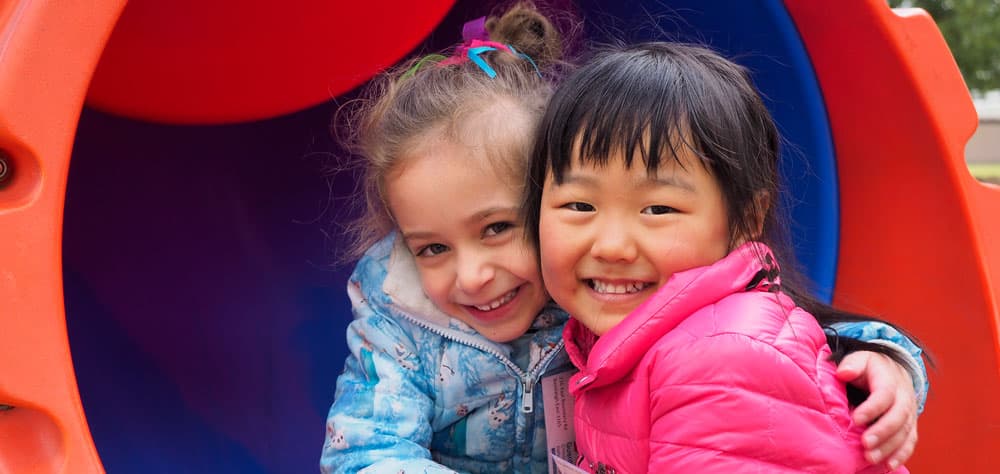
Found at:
(650, 101)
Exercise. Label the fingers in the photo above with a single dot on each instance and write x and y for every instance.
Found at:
(881, 405)
(886, 437)
(882, 381)
(903, 454)
(852, 368)
(896, 450)
(891, 407)
(893, 437)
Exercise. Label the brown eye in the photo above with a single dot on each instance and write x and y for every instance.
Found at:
(579, 207)
(496, 228)
(658, 210)
(431, 250)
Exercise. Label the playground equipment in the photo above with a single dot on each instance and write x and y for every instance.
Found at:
(168, 301)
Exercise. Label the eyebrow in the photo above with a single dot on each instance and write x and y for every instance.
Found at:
(672, 181)
(474, 218)
(483, 214)
(408, 236)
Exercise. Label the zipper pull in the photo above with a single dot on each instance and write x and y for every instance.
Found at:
(528, 400)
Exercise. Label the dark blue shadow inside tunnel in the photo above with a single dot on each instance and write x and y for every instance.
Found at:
(206, 316)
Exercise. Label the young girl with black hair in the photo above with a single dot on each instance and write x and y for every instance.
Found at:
(654, 200)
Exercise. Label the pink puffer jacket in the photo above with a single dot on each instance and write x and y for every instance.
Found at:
(710, 376)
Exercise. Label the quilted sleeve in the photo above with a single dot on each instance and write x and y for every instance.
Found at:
(731, 403)
(380, 420)
(881, 333)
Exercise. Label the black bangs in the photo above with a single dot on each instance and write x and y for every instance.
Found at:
(662, 101)
(593, 114)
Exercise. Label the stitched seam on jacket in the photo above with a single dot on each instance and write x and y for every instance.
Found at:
(727, 453)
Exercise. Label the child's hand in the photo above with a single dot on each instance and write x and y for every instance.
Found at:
(893, 403)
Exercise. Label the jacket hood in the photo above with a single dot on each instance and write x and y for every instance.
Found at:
(389, 280)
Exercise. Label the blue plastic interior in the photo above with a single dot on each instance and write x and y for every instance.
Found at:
(206, 315)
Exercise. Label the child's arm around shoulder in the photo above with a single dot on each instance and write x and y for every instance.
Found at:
(891, 410)
(380, 420)
(880, 333)
(731, 402)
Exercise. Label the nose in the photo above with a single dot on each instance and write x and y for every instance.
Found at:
(474, 271)
(614, 243)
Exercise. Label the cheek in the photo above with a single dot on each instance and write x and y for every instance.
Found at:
(721, 237)
(548, 235)
(698, 248)
(437, 285)
(522, 261)
(554, 257)
(546, 243)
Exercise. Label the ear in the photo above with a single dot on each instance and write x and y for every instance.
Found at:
(755, 214)
(758, 212)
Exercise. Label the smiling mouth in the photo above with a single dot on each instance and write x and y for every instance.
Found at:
(492, 305)
(607, 288)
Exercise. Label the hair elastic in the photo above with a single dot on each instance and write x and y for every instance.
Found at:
(416, 67)
(475, 42)
(471, 52)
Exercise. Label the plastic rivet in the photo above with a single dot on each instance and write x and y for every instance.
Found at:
(6, 170)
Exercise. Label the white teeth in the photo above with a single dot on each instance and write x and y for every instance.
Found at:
(619, 289)
(497, 302)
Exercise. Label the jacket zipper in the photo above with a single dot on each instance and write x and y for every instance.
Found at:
(528, 402)
(527, 379)
(528, 399)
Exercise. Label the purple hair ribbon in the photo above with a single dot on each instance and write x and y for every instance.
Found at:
(475, 30)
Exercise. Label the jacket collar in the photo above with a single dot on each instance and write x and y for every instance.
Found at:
(605, 360)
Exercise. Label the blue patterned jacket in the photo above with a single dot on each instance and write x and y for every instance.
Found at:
(422, 392)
